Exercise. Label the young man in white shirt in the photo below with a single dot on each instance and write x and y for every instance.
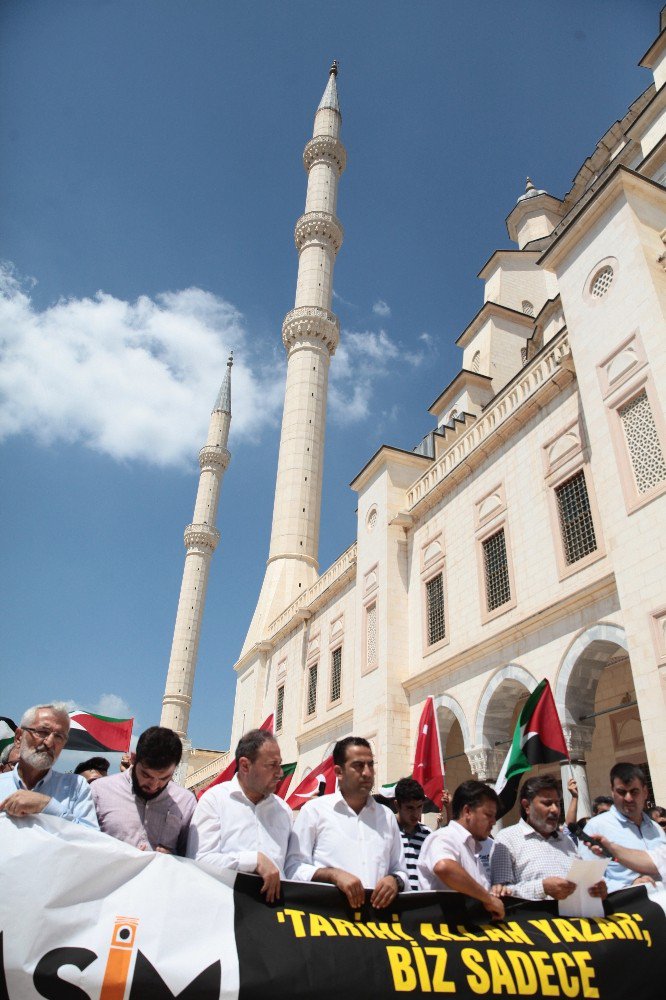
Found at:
(241, 825)
(450, 858)
(348, 839)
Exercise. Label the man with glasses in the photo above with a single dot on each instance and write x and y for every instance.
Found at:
(142, 806)
(241, 825)
(33, 786)
(9, 757)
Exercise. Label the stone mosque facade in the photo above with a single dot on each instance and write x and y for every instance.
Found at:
(525, 536)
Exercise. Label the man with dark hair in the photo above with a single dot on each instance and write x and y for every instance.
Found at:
(450, 857)
(33, 786)
(241, 825)
(143, 806)
(658, 814)
(348, 839)
(410, 797)
(532, 859)
(92, 769)
(626, 823)
(601, 804)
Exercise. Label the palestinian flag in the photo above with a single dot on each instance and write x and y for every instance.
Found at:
(538, 739)
(7, 730)
(230, 769)
(95, 733)
(321, 781)
(285, 780)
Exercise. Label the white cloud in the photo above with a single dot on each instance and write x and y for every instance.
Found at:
(137, 380)
(381, 308)
(113, 706)
(426, 338)
(131, 380)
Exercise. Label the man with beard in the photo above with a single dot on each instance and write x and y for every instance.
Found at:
(33, 786)
(142, 805)
(532, 859)
(348, 839)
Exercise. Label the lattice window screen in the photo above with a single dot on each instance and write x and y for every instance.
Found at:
(279, 708)
(371, 635)
(640, 431)
(312, 690)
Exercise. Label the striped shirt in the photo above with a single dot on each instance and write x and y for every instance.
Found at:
(412, 843)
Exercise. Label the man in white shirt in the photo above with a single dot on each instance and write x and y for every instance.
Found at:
(241, 825)
(348, 839)
(532, 858)
(450, 857)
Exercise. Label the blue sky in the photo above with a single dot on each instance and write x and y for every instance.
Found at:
(151, 177)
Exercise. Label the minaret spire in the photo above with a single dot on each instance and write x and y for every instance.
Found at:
(201, 538)
(310, 334)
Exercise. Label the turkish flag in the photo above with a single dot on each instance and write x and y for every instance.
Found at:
(309, 786)
(428, 768)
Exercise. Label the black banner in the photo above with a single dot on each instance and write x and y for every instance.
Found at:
(312, 945)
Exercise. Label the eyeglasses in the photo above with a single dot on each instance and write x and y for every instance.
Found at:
(44, 734)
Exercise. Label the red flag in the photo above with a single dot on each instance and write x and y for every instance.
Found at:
(428, 770)
(309, 786)
(230, 769)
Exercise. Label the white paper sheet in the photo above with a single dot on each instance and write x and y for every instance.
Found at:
(585, 874)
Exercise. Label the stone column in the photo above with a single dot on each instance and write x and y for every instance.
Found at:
(579, 742)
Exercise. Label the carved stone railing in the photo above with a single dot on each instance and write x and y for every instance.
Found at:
(209, 770)
(500, 414)
(340, 568)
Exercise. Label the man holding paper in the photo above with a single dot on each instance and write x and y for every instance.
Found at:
(532, 859)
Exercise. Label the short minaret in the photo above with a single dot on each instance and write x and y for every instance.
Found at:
(310, 334)
(201, 538)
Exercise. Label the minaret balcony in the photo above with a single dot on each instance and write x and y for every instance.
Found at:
(311, 323)
(325, 149)
(201, 536)
(317, 228)
(213, 457)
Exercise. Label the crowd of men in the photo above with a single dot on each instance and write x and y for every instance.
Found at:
(347, 839)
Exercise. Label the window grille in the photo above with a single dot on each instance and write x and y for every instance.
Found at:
(573, 508)
(640, 431)
(602, 281)
(476, 361)
(435, 609)
(371, 635)
(372, 519)
(523, 356)
(279, 708)
(496, 570)
(336, 674)
(312, 690)
(528, 308)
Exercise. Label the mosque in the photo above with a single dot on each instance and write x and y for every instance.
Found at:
(524, 537)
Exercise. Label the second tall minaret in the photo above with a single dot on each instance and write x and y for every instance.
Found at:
(201, 538)
(310, 334)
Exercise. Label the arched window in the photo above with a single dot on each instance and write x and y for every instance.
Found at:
(476, 361)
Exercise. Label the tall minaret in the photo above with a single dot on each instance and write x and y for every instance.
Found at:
(201, 538)
(310, 334)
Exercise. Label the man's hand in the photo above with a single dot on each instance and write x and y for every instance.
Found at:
(352, 887)
(501, 890)
(24, 803)
(600, 890)
(558, 888)
(162, 850)
(572, 786)
(271, 876)
(494, 906)
(384, 892)
(644, 880)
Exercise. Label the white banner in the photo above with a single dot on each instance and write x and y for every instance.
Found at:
(113, 921)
